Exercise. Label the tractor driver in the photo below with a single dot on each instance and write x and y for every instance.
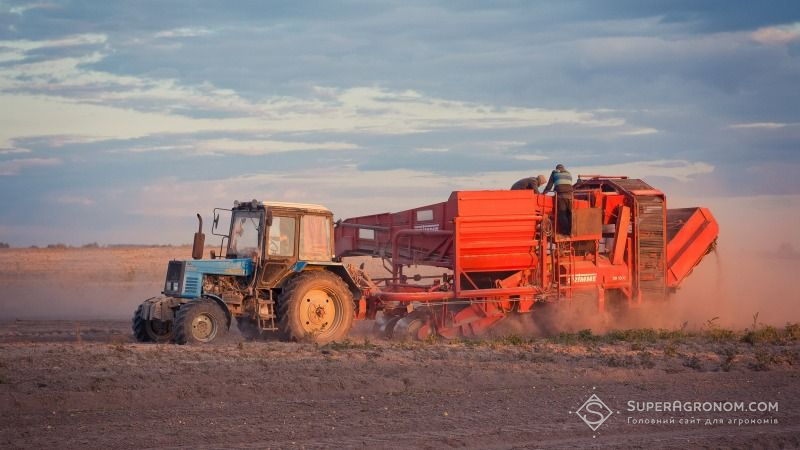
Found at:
(561, 180)
(529, 183)
(281, 237)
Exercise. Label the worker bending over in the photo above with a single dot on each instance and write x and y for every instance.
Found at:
(529, 183)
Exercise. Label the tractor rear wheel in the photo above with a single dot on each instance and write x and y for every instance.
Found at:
(316, 306)
(149, 330)
(199, 322)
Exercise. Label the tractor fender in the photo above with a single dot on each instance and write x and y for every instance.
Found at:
(336, 268)
(160, 308)
(222, 305)
(345, 275)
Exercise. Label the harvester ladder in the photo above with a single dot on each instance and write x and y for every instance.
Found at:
(565, 257)
(651, 245)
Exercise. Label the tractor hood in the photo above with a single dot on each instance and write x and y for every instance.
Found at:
(185, 278)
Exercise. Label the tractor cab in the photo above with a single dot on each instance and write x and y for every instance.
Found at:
(274, 273)
(276, 230)
(280, 237)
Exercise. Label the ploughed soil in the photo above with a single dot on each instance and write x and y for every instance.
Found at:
(82, 384)
(72, 377)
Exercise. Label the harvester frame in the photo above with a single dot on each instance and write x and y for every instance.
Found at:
(503, 254)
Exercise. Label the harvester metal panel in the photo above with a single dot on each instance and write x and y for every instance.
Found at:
(692, 233)
(496, 230)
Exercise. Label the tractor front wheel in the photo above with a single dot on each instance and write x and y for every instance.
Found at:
(150, 330)
(316, 306)
(199, 322)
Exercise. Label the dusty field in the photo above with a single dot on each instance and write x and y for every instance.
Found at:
(107, 392)
(78, 283)
(82, 382)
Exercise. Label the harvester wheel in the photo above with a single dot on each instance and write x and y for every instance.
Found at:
(545, 318)
(316, 306)
(199, 321)
(248, 328)
(618, 308)
(147, 330)
(408, 328)
(384, 327)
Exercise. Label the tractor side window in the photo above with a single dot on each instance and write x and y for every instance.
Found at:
(315, 238)
(244, 235)
(281, 236)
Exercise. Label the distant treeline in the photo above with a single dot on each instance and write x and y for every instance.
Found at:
(96, 245)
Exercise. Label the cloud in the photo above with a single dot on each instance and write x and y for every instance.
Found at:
(759, 125)
(65, 95)
(16, 50)
(638, 132)
(74, 200)
(349, 191)
(777, 35)
(22, 9)
(531, 157)
(247, 147)
(263, 147)
(432, 149)
(385, 106)
(343, 188)
(680, 170)
(183, 32)
(14, 150)
(15, 166)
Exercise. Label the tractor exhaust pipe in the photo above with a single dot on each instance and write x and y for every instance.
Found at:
(199, 241)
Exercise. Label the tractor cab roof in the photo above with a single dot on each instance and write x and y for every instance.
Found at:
(301, 206)
(255, 204)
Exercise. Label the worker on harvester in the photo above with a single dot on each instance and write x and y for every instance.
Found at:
(529, 183)
(561, 180)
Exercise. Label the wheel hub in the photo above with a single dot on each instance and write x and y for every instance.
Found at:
(317, 311)
(204, 328)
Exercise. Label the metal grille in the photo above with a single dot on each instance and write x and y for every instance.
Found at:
(192, 285)
(633, 184)
(651, 244)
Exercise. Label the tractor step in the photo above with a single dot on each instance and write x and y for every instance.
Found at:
(266, 317)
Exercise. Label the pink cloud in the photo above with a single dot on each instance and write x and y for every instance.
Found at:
(14, 166)
(75, 200)
(779, 35)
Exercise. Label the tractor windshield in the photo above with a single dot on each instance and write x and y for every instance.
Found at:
(244, 234)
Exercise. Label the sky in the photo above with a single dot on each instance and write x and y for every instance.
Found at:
(121, 120)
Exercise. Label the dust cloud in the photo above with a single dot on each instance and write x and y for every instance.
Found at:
(81, 283)
(727, 289)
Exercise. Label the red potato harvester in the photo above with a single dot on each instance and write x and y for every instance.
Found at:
(503, 255)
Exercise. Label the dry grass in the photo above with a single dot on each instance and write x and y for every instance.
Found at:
(347, 344)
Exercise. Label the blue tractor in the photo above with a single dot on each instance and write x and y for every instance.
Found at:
(275, 274)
